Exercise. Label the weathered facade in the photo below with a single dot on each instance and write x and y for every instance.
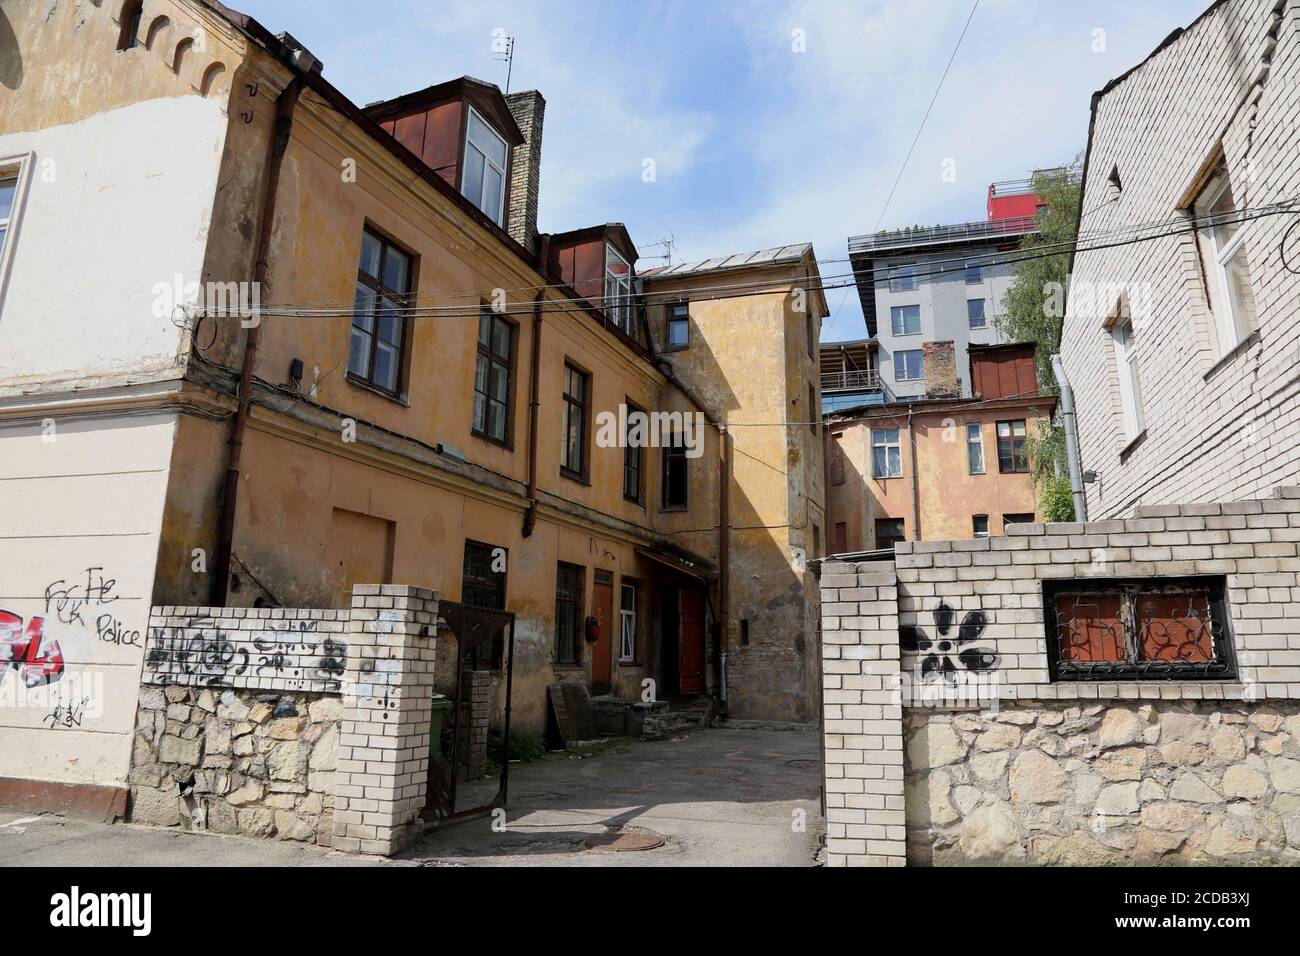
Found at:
(1181, 349)
(744, 343)
(939, 468)
(345, 359)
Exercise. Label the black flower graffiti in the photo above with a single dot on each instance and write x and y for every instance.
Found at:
(945, 651)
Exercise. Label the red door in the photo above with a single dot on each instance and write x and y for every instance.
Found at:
(602, 658)
(691, 605)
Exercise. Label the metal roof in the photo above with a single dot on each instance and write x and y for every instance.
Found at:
(740, 260)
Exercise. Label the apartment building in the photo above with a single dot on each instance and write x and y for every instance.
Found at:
(939, 283)
(940, 467)
(1182, 346)
(325, 345)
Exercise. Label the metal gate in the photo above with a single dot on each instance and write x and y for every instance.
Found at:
(473, 627)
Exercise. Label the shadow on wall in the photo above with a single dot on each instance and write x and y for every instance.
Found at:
(11, 58)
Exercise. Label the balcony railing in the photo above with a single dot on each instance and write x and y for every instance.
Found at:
(943, 235)
(863, 379)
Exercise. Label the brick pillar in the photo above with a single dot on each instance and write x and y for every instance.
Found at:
(383, 755)
(865, 821)
(478, 688)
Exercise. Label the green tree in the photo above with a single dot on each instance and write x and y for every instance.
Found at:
(1032, 311)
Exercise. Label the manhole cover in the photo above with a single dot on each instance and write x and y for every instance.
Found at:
(625, 841)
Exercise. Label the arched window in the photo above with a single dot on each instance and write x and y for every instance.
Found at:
(129, 38)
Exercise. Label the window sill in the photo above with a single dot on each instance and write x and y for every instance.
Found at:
(672, 508)
(1132, 446)
(382, 393)
(635, 501)
(574, 476)
(484, 437)
(1232, 354)
(569, 668)
(676, 348)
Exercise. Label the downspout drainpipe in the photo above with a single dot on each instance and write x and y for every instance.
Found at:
(279, 144)
(1071, 440)
(916, 488)
(534, 390)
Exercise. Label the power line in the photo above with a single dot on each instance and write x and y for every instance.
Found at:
(1131, 235)
(917, 137)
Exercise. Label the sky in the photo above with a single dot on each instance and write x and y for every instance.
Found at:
(769, 122)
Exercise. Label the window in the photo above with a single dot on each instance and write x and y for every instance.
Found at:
(1232, 296)
(886, 453)
(902, 278)
(817, 541)
(980, 526)
(975, 314)
(1114, 185)
(483, 180)
(618, 290)
(1009, 520)
(674, 485)
(1161, 629)
(378, 326)
(577, 409)
(1130, 386)
(568, 614)
(8, 200)
(679, 326)
(909, 366)
(974, 273)
(814, 331)
(633, 457)
(492, 377)
(1012, 454)
(482, 585)
(905, 319)
(975, 448)
(627, 622)
(889, 531)
(814, 413)
(840, 537)
(129, 37)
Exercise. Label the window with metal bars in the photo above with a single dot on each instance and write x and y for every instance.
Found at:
(568, 614)
(1138, 629)
(484, 586)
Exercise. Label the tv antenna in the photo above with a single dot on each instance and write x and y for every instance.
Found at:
(505, 50)
(667, 245)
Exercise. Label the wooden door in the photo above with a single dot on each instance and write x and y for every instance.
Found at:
(691, 604)
(602, 655)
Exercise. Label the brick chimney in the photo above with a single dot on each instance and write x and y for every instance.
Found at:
(940, 360)
(528, 109)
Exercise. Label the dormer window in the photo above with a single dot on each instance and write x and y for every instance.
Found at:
(484, 179)
(618, 289)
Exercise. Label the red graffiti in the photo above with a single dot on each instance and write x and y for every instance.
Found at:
(37, 660)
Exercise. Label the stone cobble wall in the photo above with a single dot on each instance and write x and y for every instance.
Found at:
(236, 761)
(1100, 784)
(949, 738)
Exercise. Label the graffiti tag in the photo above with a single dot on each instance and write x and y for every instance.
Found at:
(65, 600)
(37, 660)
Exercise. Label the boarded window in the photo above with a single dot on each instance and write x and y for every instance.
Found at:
(837, 460)
(840, 537)
(1138, 629)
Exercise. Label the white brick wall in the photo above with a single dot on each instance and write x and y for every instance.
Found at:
(1254, 545)
(1217, 429)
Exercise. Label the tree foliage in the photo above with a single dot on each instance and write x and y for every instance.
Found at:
(1032, 311)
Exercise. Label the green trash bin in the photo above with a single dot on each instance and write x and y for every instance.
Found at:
(440, 706)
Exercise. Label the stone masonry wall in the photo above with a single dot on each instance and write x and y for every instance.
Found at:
(1105, 784)
(302, 723)
(974, 682)
(236, 761)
